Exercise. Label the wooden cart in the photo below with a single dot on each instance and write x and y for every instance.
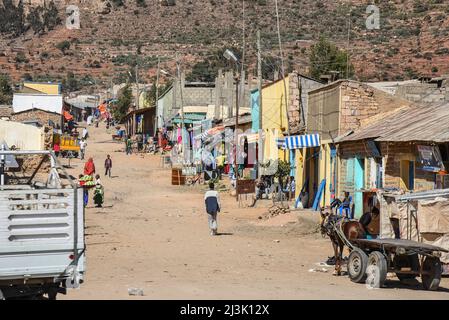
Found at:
(407, 259)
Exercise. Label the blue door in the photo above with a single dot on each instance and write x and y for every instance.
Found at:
(359, 183)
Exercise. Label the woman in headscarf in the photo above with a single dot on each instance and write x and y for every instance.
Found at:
(89, 167)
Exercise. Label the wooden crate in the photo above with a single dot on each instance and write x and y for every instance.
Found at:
(177, 179)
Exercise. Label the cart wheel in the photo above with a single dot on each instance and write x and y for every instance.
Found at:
(376, 258)
(357, 263)
(431, 281)
(406, 262)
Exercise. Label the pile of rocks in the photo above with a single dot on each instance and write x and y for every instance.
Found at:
(277, 210)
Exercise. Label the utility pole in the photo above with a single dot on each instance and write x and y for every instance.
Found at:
(178, 66)
(259, 78)
(282, 59)
(347, 51)
(157, 94)
(137, 86)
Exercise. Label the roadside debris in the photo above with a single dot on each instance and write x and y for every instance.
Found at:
(323, 270)
(135, 292)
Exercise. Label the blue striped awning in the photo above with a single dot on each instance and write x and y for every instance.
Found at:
(306, 141)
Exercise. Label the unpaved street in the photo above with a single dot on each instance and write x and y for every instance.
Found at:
(154, 236)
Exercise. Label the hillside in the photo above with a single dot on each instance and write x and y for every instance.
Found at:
(413, 38)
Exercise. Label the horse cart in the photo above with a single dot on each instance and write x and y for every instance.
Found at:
(407, 259)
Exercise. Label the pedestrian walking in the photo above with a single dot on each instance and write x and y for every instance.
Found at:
(83, 145)
(129, 145)
(89, 167)
(85, 134)
(99, 194)
(212, 200)
(82, 184)
(108, 166)
(139, 138)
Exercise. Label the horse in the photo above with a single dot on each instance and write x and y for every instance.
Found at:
(341, 231)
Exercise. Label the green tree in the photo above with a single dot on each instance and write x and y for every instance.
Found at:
(151, 95)
(5, 90)
(207, 70)
(125, 99)
(326, 57)
(70, 83)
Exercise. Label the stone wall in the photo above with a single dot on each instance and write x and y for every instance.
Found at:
(360, 102)
(299, 88)
(393, 154)
(423, 93)
(41, 116)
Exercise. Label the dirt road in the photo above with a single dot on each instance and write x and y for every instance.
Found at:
(153, 236)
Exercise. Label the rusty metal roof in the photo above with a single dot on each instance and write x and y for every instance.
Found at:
(413, 123)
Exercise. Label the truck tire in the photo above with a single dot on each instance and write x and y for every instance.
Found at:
(377, 259)
(432, 280)
(357, 264)
(409, 261)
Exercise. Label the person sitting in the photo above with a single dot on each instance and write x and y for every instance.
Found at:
(371, 222)
(345, 208)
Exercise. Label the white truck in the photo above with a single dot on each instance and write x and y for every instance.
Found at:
(42, 247)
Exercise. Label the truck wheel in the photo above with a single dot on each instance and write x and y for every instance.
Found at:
(431, 281)
(357, 263)
(377, 259)
(411, 262)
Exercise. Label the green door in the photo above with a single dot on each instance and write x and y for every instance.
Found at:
(359, 183)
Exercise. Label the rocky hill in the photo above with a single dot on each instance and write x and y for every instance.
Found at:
(413, 38)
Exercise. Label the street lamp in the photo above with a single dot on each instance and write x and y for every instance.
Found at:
(229, 55)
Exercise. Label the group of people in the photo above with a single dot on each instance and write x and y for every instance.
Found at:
(92, 179)
(142, 142)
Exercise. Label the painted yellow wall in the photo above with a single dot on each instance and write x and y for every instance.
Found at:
(46, 88)
(274, 112)
(300, 164)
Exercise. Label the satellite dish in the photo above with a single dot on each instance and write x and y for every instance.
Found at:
(10, 160)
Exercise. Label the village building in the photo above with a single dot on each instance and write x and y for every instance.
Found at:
(23, 137)
(38, 109)
(41, 87)
(422, 90)
(283, 115)
(405, 150)
(39, 118)
(82, 106)
(334, 111)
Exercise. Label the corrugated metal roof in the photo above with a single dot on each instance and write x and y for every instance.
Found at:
(413, 123)
(189, 118)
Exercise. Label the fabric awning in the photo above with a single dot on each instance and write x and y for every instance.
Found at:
(190, 118)
(304, 141)
(67, 116)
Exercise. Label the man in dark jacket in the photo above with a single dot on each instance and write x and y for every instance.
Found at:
(108, 166)
(212, 200)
